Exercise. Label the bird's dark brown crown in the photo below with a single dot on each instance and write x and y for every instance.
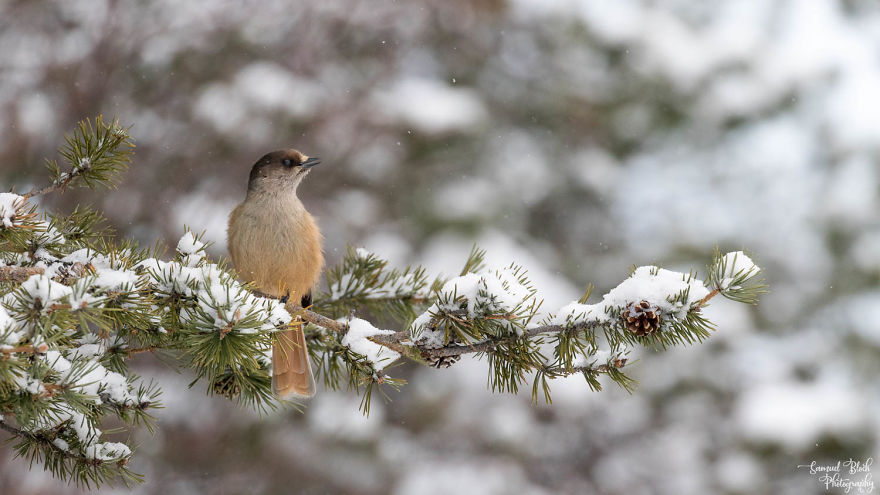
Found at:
(275, 159)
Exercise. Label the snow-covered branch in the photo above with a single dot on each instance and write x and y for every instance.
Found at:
(493, 313)
(76, 305)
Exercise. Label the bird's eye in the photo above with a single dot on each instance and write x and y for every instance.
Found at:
(287, 162)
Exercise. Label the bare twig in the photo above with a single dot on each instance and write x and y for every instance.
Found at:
(68, 272)
(317, 319)
(59, 185)
(18, 274)
(24, 348)
(11, 429)
(139, 350)
(706, 299)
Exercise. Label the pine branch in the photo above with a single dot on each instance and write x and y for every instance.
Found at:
(95, 154)
(38, 439)
(401, 341)
(83, 470)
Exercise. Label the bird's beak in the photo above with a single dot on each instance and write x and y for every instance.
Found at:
(311, 162)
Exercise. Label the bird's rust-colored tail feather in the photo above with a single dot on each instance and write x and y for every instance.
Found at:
(291, 371)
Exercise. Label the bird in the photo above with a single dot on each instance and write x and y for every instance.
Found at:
(276, 244)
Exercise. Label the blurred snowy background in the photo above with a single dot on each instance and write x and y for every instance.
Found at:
(574, 137)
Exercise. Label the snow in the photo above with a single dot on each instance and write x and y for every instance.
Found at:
(5, 319)
(465, 286)
(357, 339)
(47, 291)
(28, 384)
(445, 252)
(356, 208)
(222, 300)
(207, 210)
(464, 199)
(431, 106)
(9, 337)
(110, 274)
(403, 285)
(481, 477)
(9, 204)
(849, 194)
(171, 277)
(489, 293)
(189, 245)
(88, 347)
(258, 87)
(36, 114)
(498, 290)
(647, 283)
(191, 251)
(86, 433)
(796, 414)
(270, 86)
(110, 279)
(737, 267)
(227, 305)
(94, 380)
(107, 451)
(338, 416)
(47, 234)
(222, 107)
(61, 444)
(83, 256)
(80, 298)
(384, 287)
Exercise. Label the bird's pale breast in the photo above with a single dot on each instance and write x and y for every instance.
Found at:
(276, 245)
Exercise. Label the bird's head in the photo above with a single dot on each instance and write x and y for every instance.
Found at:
(280, 171)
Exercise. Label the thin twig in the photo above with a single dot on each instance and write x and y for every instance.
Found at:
(139, 350)
(59, 185)
(397, 342)
(24, 348)
(69, 272)
(11, 429)
(315, 318)
(708, 297)
(18, 274)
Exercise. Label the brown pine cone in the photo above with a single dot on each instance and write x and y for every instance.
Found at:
(641, 319)
(440, 362)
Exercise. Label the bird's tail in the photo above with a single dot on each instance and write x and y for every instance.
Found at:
(291, 371)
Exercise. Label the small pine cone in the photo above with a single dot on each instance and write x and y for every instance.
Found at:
(642, 318)
(440, 362)
(226, 386)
